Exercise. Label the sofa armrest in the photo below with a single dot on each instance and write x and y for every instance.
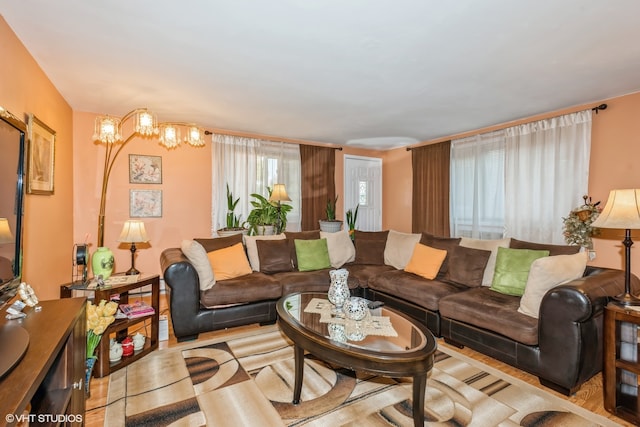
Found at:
(570, 326)
(184, 291)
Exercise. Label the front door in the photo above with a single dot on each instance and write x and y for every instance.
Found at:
(363, 186)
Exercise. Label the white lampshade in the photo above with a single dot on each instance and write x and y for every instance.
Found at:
(133, 232)
(622, 210)
(5, 232)
(279, 194)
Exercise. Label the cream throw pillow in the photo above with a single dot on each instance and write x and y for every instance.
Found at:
(341, 248)
(196, 254)
(547, 273)
(487, 245)
(399, 248)
(252, 248)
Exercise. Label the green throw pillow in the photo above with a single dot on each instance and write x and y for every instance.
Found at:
(312, 254)
(512, 269)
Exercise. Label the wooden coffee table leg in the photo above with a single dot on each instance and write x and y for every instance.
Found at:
(419, 385)
(299, 368)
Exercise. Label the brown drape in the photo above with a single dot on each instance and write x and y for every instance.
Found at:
(430, 206)
(318, 183)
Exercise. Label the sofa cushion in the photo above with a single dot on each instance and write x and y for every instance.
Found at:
(304, 281)
(512, 269)
(493, 311)
(444, 243)
(292, 236)
(215, 243)
(229, 263)
(488, 245)
(415, 289)
(252, 248)
(197, 256)
(547, 273)
(312, 254)
(341, 249)
(362, 273)
(425, 261)
(370, 246)
(466, 266)
(553, 249)
(399, 248)
(251, 288)
(274, 256)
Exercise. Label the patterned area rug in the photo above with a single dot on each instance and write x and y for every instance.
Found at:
(247, 380)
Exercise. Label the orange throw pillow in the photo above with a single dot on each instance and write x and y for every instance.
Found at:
(229, 263)
(425, 261)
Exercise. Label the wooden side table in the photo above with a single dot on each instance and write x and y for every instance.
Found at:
(621, 362)
(121, 327)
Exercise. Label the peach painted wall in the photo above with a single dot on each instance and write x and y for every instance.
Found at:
(48, 220)
(615, 148)
(186, 195)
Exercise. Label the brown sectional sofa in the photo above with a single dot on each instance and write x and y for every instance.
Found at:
(563, 347)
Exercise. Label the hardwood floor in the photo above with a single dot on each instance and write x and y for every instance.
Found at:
(589, 396)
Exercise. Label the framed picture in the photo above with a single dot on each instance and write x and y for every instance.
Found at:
(40, 157)
(145, 203)
(145, 169)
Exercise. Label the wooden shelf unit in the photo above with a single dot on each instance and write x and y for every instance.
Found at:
(621, 374)
(49, 380)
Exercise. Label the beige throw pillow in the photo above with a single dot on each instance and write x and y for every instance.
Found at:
(547, 273)
(252, 248)
(399, 248)
(487, 245)
(196, 254)
(341, 249)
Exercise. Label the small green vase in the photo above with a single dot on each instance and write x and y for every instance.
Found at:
(102, 262)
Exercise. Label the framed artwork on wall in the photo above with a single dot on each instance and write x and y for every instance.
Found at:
(40, 157)
(145, 169)
(145, 203)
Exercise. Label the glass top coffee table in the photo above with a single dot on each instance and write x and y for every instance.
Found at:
(385, 343)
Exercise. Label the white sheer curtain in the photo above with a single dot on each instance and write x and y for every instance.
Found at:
(477, 186)
(547, 173)
(249, 165)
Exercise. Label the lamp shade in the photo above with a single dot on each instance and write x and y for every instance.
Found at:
(279, 194)
(622, 210)
(5, 232)
(133, 232)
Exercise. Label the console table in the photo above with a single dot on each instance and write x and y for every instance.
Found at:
(121, 327)
(50, 375)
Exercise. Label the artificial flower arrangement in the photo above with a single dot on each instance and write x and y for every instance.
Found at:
(99, 317)
(577, 227)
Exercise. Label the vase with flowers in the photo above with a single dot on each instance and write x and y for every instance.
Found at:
(99, 317)
(577, 227)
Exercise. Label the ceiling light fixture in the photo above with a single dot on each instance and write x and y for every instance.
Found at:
(108, 130)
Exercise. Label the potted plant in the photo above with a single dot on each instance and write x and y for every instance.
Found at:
(233, 225)
(331, 224)
(352, 217)
(266, 215)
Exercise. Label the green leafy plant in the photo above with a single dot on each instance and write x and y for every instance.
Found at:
(331, 209)
(265, 212)
(352, 217)
(233, 220)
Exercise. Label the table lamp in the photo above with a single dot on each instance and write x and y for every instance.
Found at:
(133, 232)
(279, 194)
(622, 211)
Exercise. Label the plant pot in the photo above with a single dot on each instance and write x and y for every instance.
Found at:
(266, 230)
(330, 226)
(223, 232)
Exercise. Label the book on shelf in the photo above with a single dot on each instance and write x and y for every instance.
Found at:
(136, 309)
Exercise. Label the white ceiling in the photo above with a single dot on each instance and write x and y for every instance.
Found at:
(373, 73)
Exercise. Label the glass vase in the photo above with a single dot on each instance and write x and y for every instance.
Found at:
(338, 290)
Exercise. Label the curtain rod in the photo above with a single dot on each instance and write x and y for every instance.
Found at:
(596, 109)
(272, 138)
